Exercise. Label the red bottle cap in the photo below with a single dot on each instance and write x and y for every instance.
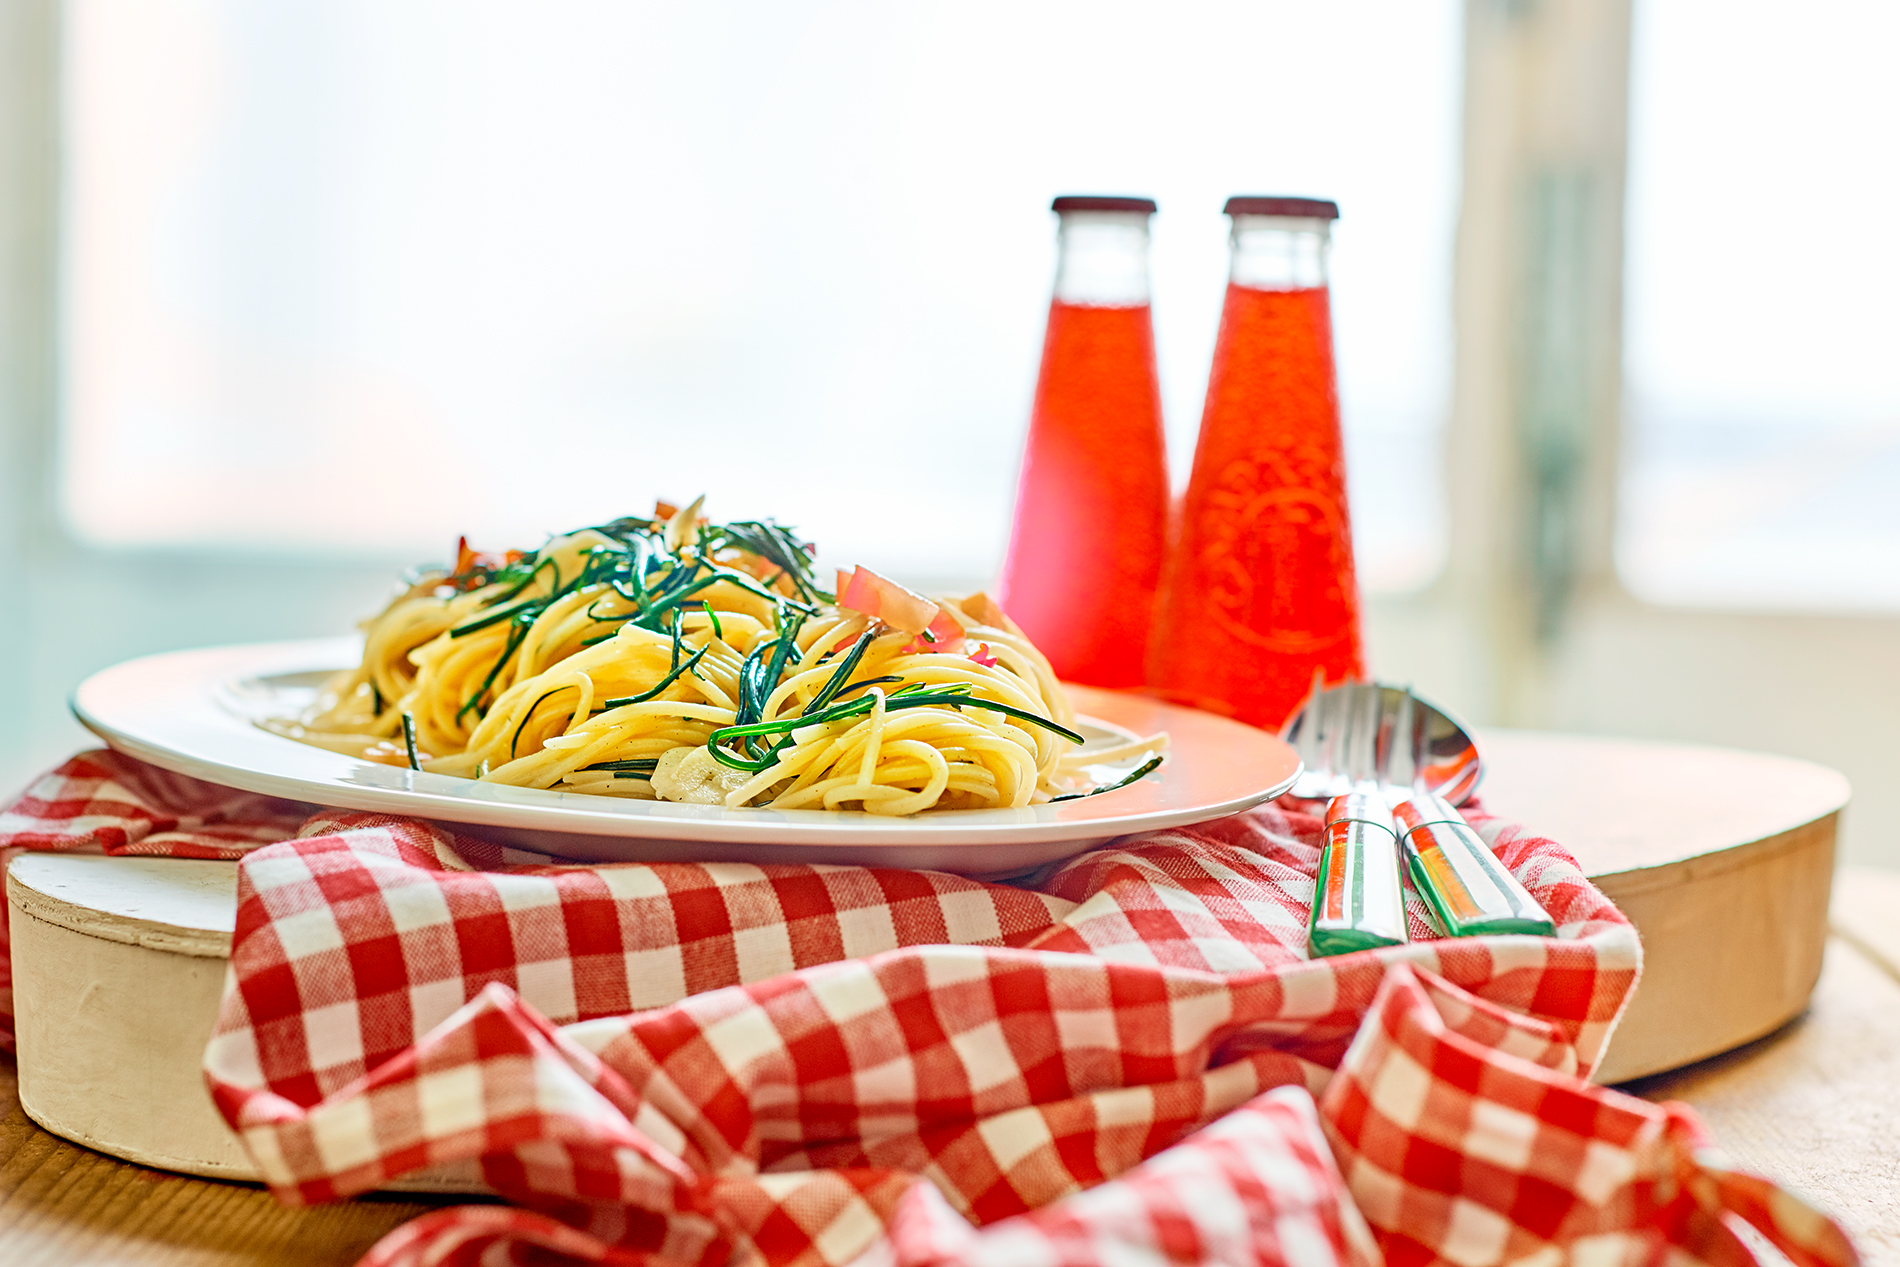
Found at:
(1101, 202)
(1268, 205)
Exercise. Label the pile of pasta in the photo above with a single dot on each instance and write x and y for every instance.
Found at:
(676, 658)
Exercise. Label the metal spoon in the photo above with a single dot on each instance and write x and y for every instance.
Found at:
(1368, 730)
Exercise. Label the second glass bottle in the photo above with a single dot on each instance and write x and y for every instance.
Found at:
(1261, 595)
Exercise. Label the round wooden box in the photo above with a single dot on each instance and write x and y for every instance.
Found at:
(118, 965)
(1722, 859)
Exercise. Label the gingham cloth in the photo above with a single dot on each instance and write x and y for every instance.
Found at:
(1127, 1059)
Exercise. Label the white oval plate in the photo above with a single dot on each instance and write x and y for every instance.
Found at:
(194, 713)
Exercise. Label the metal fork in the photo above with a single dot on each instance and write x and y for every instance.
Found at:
(1345, 739)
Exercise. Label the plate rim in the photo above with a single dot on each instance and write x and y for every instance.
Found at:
(418, 794)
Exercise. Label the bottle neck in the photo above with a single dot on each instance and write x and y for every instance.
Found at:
(1102, 258)
(1280, 252)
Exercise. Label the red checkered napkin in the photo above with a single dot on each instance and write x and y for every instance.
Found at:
(812, 1039)
(103, 802)
(1466, 1137)
(1257, 1186)
(716, 1063)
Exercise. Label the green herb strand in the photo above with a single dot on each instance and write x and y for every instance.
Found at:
(776, 546)
(1141, 771)
(870, 681)
(515, 640)
(529, 715)
(409, 740)
(532, 565)
(836, 681)
(632, 765)
(761, 673)
(746, 583)
(860, 706)
(496, 615)
(665, 682)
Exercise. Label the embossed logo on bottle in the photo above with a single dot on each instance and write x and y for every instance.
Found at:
(1274, 549)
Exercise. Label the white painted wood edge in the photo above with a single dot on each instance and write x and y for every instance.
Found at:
(182, 906)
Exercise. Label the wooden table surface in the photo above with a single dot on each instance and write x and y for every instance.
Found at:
(1816, 1104)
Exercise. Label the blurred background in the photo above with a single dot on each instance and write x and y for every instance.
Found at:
(291, 294)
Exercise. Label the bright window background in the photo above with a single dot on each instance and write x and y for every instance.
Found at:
(1763, 337)
(353, 276)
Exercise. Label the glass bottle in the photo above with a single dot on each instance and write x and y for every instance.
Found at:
(1086, 545)
(1261, 599)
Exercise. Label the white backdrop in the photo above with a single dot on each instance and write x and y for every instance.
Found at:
(1763, 335)
(357, 275)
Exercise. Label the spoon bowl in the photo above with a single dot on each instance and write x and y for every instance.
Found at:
(1368, 730)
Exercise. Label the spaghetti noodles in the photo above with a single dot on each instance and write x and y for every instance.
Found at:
(676, 658)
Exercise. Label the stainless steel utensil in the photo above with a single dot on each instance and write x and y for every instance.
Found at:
(1359, 901)
(1371, 747)
(1346, 738)
(1360, 730)
(1456, 873)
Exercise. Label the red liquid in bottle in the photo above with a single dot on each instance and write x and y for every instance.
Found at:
(1262, 591)
(1091, 508)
